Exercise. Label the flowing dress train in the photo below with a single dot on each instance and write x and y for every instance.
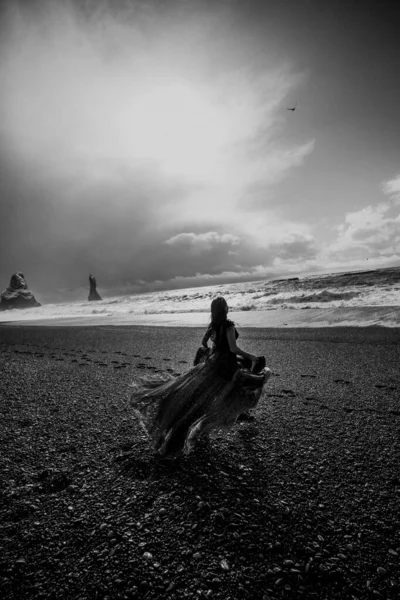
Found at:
(176, 411)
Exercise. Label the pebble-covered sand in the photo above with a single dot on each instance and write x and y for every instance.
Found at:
(304, 502)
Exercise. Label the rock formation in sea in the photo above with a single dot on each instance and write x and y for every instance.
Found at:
(17, 294)
(93, 293)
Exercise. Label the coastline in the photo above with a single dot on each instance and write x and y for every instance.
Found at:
(302, 501)
(385, 316)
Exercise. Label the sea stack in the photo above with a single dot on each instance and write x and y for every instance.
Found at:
(17, 294)
(93, 293)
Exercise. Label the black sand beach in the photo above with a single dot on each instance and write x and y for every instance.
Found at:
(302, 503)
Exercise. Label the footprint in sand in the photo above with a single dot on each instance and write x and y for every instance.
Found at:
(384, 386)
(147, 358)
(310, 376)
(166, 359)
(289, 392)
(103, 364)
(115, 362)
(183, 362)
(136, 355)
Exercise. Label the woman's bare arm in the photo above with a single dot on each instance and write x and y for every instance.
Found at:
(233, 347)
(206, 337)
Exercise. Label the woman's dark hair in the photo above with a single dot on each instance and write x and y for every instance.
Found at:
(218, 311)
(218, 317)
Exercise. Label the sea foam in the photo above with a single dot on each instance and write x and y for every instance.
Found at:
(354, 298)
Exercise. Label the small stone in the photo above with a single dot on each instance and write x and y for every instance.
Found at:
(215, 582)
(381, 571)
(393, 552)
(224, 565)
(288, 563)
(147, 555)
(196, 555)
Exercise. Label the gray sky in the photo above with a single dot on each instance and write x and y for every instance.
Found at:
(150, 144)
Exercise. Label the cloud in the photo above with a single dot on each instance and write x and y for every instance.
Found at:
(135, 146)
(392, 188)
(295, 247)
(202, 242)
(373, 231)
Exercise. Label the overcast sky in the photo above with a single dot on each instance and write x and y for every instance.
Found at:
(149, 142)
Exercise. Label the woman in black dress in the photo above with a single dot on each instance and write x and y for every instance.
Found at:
(211, 395)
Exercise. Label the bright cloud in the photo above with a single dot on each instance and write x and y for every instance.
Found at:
(75, 92)
(202, 242)
(132, 136)
(373, 231)
(392, 188)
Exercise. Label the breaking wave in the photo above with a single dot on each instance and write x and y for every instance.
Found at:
(360, 289)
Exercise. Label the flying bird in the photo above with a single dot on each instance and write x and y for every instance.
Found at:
(292, 109)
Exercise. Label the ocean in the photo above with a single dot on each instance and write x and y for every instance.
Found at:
(358, 298)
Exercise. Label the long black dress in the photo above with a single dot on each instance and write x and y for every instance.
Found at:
(175, 411)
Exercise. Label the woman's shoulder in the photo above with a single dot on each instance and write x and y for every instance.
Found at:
(229, 324)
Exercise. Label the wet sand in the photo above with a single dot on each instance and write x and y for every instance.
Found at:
(301, 503)
(350, 316)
